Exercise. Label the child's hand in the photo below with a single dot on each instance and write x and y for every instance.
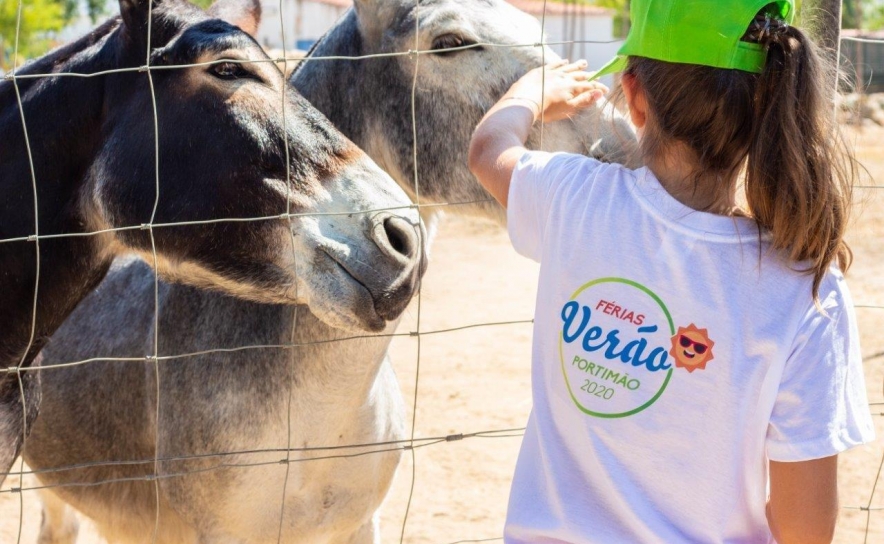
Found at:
(499, 140)
(559, 90)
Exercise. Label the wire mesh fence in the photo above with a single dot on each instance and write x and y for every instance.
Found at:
(291, 454)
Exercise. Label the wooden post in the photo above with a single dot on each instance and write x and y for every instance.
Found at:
(825, 23)
(824, 18)
(860, 67)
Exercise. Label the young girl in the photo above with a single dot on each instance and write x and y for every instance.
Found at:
(696, 367)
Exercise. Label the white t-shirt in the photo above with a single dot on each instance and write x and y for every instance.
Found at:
(673, 355)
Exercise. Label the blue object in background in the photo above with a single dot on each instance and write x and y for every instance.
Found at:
(304, 45)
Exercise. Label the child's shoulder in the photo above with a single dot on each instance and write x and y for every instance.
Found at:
(560, 170)
(564, 159)
(833, 292)
(792, 285)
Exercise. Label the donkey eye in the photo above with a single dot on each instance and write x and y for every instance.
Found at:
(450, 41)
(229, 70)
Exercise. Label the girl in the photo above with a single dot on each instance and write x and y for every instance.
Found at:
(696, 367)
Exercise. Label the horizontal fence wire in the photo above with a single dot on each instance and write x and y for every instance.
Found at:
(295, 60)
(384, 447)
(293, 345)
(11, 76)
(861, 40)
(329, 452)
(454, 437)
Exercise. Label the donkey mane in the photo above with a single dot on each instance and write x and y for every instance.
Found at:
(343, 40)
(58, 60)
(58, 57)
(75, 56)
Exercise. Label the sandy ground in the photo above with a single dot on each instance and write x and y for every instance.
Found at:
(478, 379)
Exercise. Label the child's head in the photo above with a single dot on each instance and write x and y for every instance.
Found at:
(775, 119)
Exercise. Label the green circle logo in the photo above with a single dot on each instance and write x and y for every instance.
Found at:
(613, 347)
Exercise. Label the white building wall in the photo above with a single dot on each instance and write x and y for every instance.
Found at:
(304, 21)
(582, 28)
(307, 20)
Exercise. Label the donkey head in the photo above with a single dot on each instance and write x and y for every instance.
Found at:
(457, 82)
(287, 209)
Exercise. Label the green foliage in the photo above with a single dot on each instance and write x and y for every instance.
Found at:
(38, 19)
(95, 9)
(873, 15)
(864, 14)
(850, 13)
(621, 15)
(618, 5)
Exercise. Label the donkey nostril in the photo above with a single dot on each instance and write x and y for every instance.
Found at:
(401, 235)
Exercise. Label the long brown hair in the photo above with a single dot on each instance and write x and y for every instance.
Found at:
(780, 124)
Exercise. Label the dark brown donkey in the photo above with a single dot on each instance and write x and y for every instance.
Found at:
(222, 127)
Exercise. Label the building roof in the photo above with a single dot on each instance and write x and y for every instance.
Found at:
(856, 33)
(336, 3)
(534, 7)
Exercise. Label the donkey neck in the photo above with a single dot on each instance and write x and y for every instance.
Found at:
(337, 363)
(326, 366)
(63, 118)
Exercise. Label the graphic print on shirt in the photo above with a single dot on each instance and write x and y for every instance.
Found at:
(691, 348)
(617, 344)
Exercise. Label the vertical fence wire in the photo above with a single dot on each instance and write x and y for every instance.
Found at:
(421, 246)
(293, 353)
(154, 356)
(21, 388)
(868, 506)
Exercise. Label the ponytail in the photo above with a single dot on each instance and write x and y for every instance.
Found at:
(780, 125)
(799, 174)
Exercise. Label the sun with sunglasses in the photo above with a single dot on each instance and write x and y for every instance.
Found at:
(691, 348)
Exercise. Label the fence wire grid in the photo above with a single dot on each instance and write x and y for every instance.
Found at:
(409, 445)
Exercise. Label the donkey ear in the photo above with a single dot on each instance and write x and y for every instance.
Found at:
(246, 14)
(134, 14)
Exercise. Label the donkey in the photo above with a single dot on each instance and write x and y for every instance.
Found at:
(342, 389)
(464, 74)
(93, 151)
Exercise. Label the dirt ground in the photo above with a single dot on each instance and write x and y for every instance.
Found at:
(478, 379)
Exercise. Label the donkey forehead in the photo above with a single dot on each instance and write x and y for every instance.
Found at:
(491, 19)
(212, 36)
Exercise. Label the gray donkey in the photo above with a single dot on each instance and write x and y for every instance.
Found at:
(466, 73)
(320, 394)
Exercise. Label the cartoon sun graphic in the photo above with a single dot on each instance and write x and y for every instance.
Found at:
(691, 348)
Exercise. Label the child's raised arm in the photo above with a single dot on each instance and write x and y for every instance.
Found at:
(499, 140)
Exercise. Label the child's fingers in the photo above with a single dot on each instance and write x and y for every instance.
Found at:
(556, 64)
(586, 99)
(572, 67)
(583, 77)
(583, 86)
(580, 75)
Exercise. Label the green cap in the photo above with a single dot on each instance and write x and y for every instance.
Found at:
(705, 32)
